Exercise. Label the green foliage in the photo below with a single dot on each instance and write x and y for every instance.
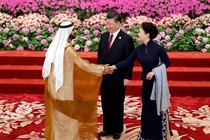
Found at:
(24, 39)
(85, 36)
(187, 39)
(84, 13)
(134, 33)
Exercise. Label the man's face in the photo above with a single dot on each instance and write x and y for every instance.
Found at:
(112, 26)
(73, 34)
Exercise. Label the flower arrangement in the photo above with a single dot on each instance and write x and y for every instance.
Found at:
(37, 35)
(202, 21)
(56, 20)
(202, 39)
(94, 20)
(156, 9)
(5, 19)
(176, 20)
(188, 39)
(133, 21)
(15, 38)
(30, 20)
(88, 39)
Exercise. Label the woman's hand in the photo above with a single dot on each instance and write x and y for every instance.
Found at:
(126, 82)
(113, 67)
(150, 75)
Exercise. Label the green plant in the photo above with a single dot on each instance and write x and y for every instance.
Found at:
(88, 39)
(27, 38)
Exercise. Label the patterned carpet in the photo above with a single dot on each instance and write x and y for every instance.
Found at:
(22, 117)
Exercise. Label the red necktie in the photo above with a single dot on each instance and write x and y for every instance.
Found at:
(110, 41)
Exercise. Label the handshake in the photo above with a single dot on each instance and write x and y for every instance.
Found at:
(109, 69)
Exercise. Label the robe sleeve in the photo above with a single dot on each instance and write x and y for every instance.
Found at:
(84, 64)
(86, 80)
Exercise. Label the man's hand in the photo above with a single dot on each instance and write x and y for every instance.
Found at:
(107, 70)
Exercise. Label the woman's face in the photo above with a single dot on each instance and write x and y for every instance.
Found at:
(142, 35)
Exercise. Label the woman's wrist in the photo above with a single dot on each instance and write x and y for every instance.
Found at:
(113, 67)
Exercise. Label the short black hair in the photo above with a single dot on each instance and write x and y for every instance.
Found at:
(114, 14)
(150, 28)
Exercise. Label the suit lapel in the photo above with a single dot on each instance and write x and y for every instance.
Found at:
(106, 41)
(117, 39)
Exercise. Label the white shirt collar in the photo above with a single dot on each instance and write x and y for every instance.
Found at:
(114, 35)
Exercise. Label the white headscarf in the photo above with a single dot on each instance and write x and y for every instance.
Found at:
(55, 53)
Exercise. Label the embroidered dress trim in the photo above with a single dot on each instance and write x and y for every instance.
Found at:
(164, 129)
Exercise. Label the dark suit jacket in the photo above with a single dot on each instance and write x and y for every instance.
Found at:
(121, 48)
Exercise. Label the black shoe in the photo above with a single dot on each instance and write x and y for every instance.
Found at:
(103, 134)
(116, 136)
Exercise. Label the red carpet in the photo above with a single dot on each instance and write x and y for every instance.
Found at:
(22, 117)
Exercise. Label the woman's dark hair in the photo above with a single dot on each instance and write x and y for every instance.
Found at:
(150, 28)
(114, 14)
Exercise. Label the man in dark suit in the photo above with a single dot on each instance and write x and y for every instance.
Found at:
(115, 46)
